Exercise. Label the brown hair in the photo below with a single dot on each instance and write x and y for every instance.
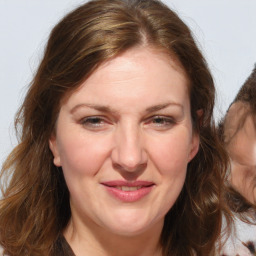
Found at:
(246, 98)
(247, 92)
(35, 208)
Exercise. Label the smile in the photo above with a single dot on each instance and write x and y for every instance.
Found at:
(128, 191)
(126, 188)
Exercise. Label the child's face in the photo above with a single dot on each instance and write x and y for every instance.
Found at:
(242, 150)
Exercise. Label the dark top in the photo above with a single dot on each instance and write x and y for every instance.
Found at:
(62, 248)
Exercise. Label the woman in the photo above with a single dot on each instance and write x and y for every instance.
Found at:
(118, 153)
(238, 131)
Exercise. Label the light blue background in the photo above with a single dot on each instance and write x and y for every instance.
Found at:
(225, 30)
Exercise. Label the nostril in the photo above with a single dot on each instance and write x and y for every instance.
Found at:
(128, 161)
(130, 174)
(117, 166)
(129, 168)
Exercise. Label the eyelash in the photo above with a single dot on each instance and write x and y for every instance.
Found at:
(162, 121)
(98, 122)
(93, 122)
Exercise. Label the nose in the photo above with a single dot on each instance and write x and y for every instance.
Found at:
(128, 153)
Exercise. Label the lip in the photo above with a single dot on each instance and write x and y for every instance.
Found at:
(113, 188)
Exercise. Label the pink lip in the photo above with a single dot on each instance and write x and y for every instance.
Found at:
(128, 196)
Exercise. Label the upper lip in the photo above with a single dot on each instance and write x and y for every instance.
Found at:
(118, 183)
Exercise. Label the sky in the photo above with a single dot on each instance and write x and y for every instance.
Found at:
(224, 30)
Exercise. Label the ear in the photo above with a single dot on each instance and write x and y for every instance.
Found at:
(194, 146)
(199, 114)
(195, 136)
(55, 151)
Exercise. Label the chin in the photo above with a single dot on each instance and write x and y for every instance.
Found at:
(128, 231)
(129, 225)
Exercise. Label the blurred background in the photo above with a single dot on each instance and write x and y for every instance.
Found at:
(224, 29)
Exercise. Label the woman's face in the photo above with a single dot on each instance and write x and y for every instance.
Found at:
(124, 140)
(242, 151)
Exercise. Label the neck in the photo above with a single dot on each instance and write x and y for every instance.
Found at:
(94, 240)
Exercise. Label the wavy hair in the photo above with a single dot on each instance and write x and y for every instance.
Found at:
(35, 208)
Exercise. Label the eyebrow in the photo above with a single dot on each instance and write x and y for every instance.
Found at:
(163, 106)
(107, 109)
(100, 108)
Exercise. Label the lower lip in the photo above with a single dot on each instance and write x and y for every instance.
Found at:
(129, 196)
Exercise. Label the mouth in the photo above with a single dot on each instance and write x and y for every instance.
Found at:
(126, 188)
(128, 191)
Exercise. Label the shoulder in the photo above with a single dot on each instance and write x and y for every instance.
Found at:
(242, 240)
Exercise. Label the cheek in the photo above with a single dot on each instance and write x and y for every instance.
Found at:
(170, 155)
(84, 155)
(242, 149)
(170, 158)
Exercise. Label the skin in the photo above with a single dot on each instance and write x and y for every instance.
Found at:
(130, 121)
(242, 151)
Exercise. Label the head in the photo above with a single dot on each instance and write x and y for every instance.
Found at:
(85, 40)
(239, 136)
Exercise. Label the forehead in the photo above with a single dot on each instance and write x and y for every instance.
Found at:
(138, 72)
(147, 56)
(235, 118)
